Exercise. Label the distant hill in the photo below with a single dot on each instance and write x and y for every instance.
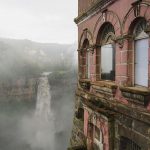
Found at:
(28, 58)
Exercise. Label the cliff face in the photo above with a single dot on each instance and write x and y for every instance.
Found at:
(24, 89)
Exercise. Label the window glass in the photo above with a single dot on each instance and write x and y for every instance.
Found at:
(107, 62)
(88, 65)
(141, 53)
(85, 59)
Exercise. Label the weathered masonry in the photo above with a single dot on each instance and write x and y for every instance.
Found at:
(112, 109)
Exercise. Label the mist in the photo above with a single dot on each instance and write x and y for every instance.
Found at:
(45, 21)
(22, 63)
(37, 37)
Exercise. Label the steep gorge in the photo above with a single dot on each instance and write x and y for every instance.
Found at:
(19, 89)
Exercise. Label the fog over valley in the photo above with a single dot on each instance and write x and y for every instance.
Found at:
(37, 84)
(24, 57)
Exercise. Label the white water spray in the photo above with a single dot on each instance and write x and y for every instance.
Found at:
(44, 133)
(43, 123)
(43, 104)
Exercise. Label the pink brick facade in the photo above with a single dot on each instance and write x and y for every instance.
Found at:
(122, 20)
(116, 110)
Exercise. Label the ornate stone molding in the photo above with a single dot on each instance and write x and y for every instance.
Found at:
(120, 40)
(106, 17)
(97, 46)
(135, 12)
(91, 48)
(137, 7)
(86, 34)
(98, 6)
(148, 31)
(80, 51)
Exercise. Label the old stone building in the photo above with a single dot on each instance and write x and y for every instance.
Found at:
(112, 110)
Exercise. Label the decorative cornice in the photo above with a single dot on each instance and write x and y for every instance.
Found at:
(120, 39)
(90, 48)
(96, 46)
(123, 37)
(99, 5)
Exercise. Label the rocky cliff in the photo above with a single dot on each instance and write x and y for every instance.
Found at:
(23, 89)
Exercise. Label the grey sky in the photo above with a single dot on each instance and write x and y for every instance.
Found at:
(39, 20)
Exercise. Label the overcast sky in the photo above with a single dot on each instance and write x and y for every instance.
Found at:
(39, 20)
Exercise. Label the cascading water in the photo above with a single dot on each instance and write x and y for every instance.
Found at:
(44, 120)
(43, 104)
(37, 128)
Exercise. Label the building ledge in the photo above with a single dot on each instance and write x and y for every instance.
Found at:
(85, 80)
(99, 5)
(81, 147)
(108, 84)
(136, 95)
(136, 90)
(95, 101)
(104, 88)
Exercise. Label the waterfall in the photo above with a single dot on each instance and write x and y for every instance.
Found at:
(43, 104)
(43, 119)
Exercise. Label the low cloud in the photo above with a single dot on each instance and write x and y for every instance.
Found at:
(42, 20)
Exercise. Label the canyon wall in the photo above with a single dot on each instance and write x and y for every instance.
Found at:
(23, 89)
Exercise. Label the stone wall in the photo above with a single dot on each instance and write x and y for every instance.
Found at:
(115, 120)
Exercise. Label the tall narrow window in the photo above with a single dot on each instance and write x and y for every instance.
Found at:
(107, 66)
(141, 54)
(107, 62)
(88, 65)
(86, 60)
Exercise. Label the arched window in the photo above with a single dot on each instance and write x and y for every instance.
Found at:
(141, 53)
(86, 59)
(107, 52)
(139, 27)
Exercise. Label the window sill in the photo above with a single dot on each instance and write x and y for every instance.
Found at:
(105, 83)
(104, 88)
(137, 95)
(84, 80)
(136, 90)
